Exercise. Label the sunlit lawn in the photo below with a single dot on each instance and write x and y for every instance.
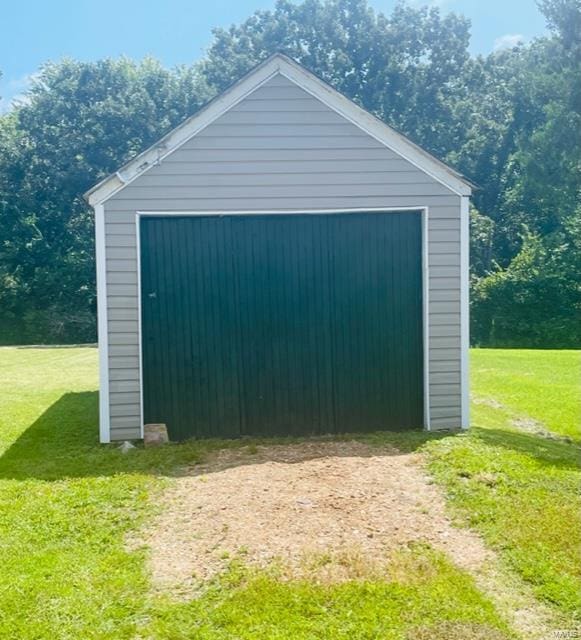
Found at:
(521, 491)
(67, 503)
(542, 385)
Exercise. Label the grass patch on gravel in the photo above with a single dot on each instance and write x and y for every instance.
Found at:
(427, 598)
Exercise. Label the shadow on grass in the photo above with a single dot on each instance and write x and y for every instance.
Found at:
(63, 443)
(59, 443)
(546, 451)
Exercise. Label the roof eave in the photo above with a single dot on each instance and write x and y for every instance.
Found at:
(172, 140)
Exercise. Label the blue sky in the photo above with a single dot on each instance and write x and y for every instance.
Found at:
(178, 31)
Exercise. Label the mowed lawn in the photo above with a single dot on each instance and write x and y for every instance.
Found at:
(535, 387)
(67, 505)
(520, 490)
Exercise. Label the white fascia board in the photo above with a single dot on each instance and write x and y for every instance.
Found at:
(303, 79)
(181, 134)
(105, 189)
(375, 127)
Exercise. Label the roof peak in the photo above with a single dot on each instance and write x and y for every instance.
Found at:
(278, 62)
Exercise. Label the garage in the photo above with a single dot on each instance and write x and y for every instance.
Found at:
(282, 324)
(282, 263)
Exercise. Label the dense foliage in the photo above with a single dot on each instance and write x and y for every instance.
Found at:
(81, 121)
(510, 121)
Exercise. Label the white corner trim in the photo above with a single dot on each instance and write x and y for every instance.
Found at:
(311, 84)
(426, 316)
(465, 309)
(102, 328)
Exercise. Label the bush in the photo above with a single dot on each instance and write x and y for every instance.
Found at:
(534, 302)
(49, 326)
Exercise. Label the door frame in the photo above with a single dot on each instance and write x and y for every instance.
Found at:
(423, 210)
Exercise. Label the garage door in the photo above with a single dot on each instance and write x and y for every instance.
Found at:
(282, 324)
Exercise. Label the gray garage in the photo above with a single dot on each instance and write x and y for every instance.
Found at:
(282, 263)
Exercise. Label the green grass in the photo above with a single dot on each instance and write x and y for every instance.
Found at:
(67, 503)
(544, 386)
(427, 599)
(519, 490)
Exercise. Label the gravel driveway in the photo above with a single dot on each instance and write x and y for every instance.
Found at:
(299, 504)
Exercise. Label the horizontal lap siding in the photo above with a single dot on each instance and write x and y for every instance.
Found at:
(281, 149)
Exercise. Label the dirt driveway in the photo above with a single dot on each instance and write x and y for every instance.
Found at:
(296, 504)
(323, 510)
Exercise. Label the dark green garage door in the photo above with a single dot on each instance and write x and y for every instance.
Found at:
(282, 324)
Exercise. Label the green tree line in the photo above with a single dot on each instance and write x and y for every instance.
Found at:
(510, 121)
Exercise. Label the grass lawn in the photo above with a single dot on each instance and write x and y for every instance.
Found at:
(543, 386)
(519, 490)
(67, 503)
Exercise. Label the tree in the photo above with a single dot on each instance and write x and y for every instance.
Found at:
(533, 296)
(510, 121)
(406, 68)
(564, 18)
(535, 301)
(481, 243)
(79, 123)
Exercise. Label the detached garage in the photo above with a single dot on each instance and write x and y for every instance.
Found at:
(282, 263)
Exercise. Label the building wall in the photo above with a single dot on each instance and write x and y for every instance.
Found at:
(282, 149)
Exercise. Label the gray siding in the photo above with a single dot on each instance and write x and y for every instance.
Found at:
(281, 149)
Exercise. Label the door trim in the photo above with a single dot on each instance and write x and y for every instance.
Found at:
(422, 210)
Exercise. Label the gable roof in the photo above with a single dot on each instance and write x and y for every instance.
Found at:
(279, 64)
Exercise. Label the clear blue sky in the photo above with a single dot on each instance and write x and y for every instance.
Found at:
(178, 31)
